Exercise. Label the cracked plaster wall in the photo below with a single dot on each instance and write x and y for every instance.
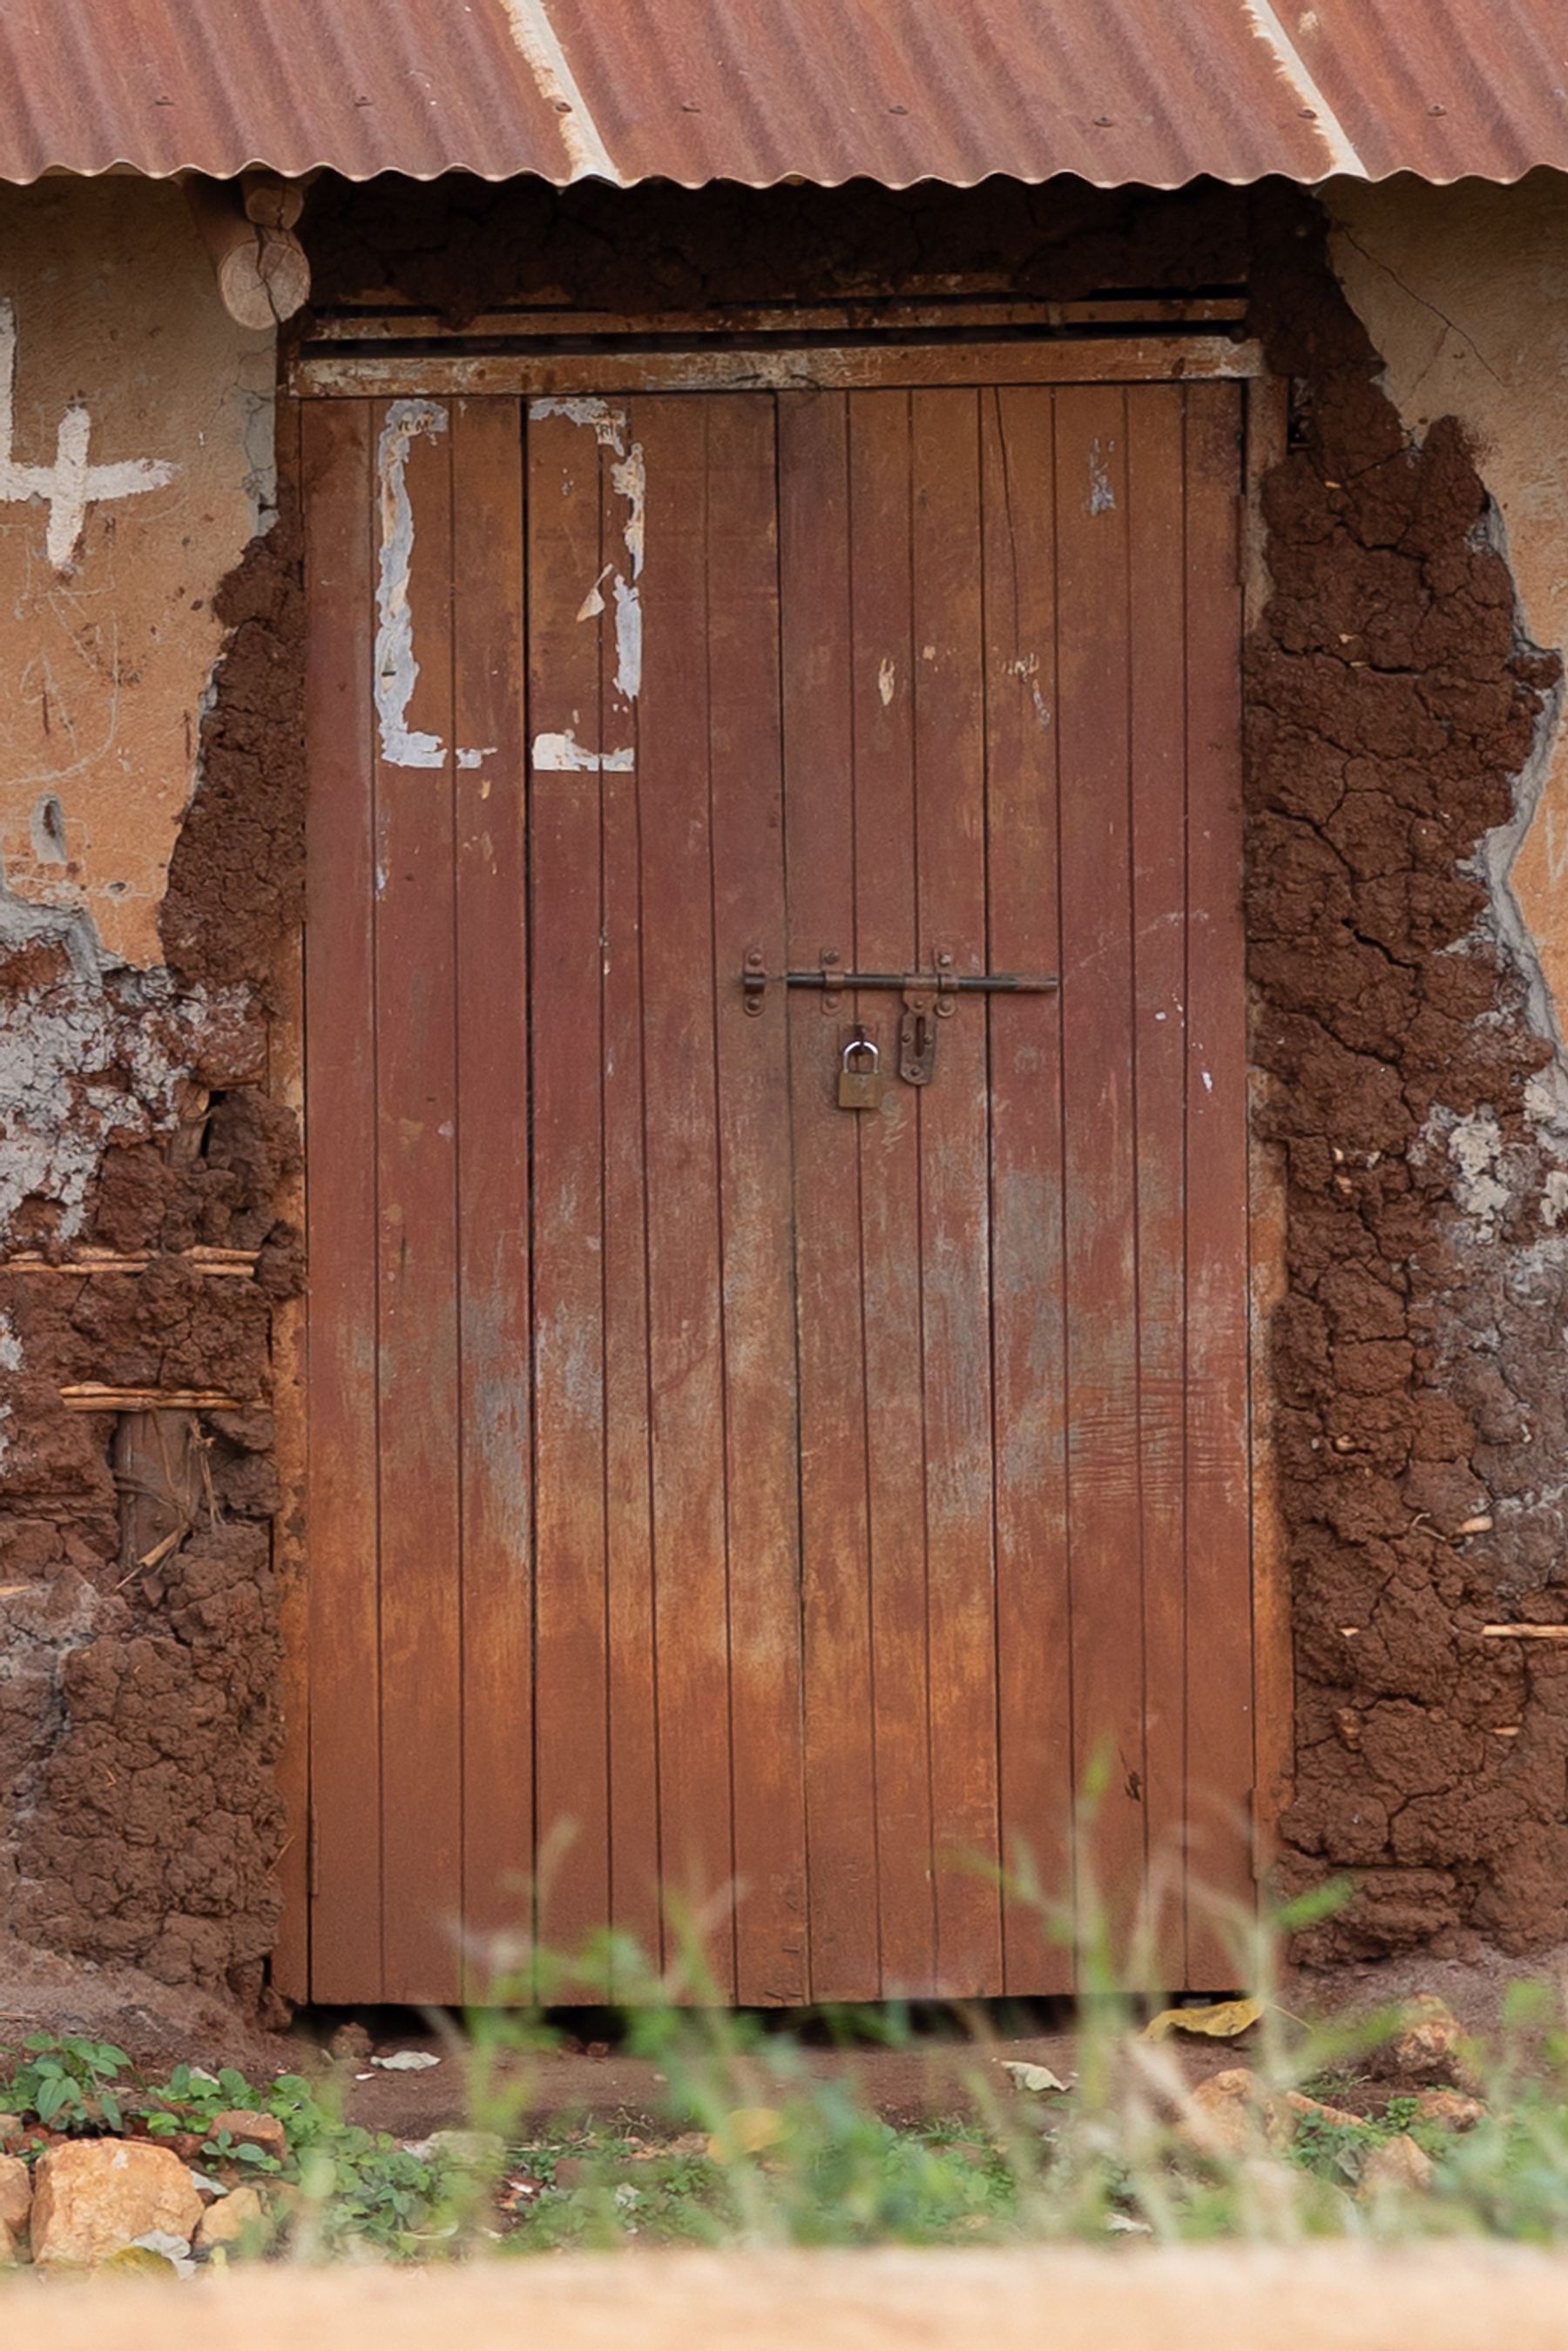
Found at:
(151, 763)
(106, 658)
(1464, 292)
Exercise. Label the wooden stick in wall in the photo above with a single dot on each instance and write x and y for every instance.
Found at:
(93, 1395)
(262, 272)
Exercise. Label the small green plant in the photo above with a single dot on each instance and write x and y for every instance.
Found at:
(67, 2082)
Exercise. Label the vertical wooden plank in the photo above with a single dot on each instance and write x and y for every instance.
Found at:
(416, 1109)
(685, 1319)
(566, 648)
(492, 1046)
(633, 1824)
(1220, 1669)
(290, 1964)
(886, 939)
(819, 760)
(1100, 1148)
(955, 1236)
(1033, 1627)
(341, 1340)
(1158, 718)
(756, 1205)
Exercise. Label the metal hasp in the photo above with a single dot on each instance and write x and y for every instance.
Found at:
(929, 997)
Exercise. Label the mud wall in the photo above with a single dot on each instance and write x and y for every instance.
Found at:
(1399, 720)
(149, 682)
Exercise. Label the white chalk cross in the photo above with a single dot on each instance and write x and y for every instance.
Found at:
(71, 483)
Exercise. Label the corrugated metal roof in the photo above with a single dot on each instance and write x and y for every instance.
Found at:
(1155, 91)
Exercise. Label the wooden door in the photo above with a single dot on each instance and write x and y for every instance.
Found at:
(735, 1517)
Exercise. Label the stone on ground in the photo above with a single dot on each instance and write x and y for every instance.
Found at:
(248, 2128)
(94, 2196)
(15, 2192)
(239, 2214)
(1426, 2047)
(1226, 2110)
(1451, 2108)
(1399, 2167)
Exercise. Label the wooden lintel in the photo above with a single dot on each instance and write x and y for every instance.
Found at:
(341, 371)
(387, 320)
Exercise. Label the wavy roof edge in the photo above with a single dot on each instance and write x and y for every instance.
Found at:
(754, 92)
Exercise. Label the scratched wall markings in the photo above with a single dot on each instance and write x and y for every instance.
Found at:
(72, 483)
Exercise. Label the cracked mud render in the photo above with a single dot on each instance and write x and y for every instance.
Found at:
(1392, 708)
(139, 1668)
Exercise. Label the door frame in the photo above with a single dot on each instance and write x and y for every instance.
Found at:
(397, 352)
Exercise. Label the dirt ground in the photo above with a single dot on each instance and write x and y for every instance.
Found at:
(1443, 2298)
(591, 2076)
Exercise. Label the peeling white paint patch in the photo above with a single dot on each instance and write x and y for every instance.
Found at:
(1476, 1149)
(629, 479)
(396, 662)
(535, 36)
(72, 484)
(628, 640)
(1102, 497)
(397, 669)
(560, 755)
(887, 681)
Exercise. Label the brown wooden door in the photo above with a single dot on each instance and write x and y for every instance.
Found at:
(721, 1500)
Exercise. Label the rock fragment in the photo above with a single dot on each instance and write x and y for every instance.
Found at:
(247, 2127)
(94, 2196)
(1398, 2168)
(235, 2219)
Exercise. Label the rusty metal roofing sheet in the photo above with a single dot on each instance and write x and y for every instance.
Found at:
(757, 91)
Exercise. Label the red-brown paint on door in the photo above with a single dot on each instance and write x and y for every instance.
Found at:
(809, 1544)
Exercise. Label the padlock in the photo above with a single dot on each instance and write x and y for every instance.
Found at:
(860, 1075)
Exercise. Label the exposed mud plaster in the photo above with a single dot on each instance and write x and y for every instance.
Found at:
(107, 631)
(139, 1649)
(1464, 291)
(1395, 712)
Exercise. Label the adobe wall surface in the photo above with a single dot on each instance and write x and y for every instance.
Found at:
(149, 768)
(1402, 695)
